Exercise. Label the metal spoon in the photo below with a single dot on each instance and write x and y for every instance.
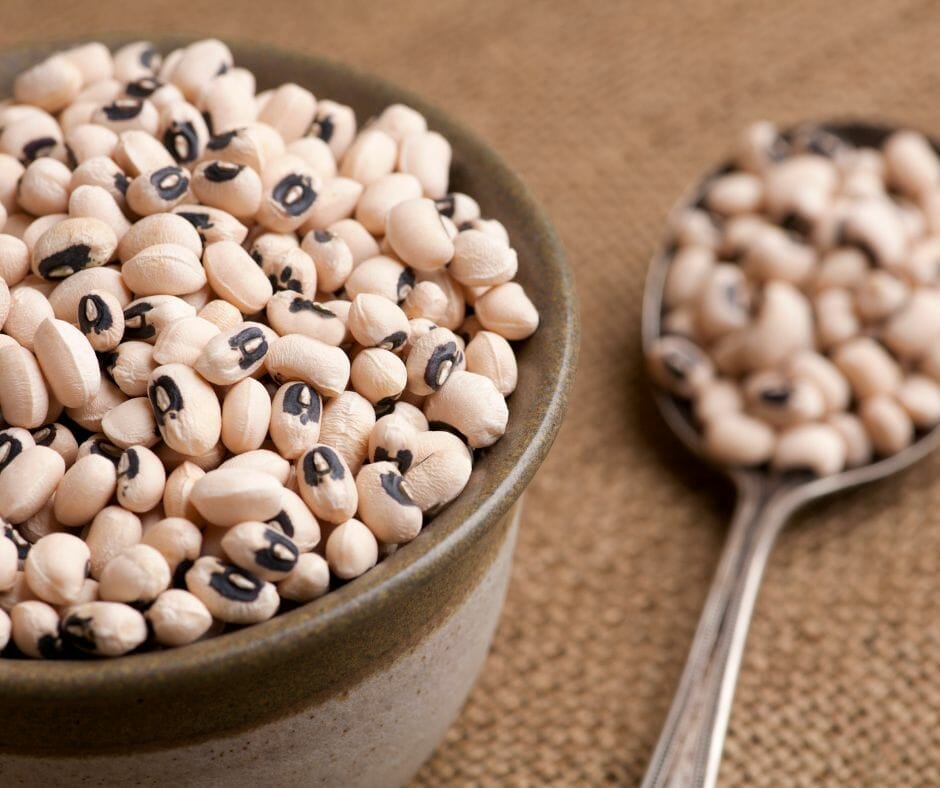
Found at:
(688, 753)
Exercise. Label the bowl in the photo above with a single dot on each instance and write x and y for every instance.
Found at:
(358, 687)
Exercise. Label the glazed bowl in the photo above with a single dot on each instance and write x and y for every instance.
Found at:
(358, 687)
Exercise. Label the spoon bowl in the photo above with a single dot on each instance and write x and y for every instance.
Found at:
(688, 753)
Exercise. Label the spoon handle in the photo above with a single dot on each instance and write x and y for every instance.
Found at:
(688, 753)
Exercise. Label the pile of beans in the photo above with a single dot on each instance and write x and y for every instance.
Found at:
(802, 303)
(247, 349)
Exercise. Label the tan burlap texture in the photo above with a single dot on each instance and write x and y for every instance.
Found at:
(609, 110)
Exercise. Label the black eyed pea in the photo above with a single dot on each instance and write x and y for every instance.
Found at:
(177, 495)
(157, 191)
(772, 253)
(66, 295)
(919, 395)
(295, 418)
(68, 361)
(679, 365)
(347, 422)
(35, 627)
(164, 269)
(51, 85)
(336, 201)
(335, 124)
(32, 234)
(71, 246)
(470, 405)
(129, 365)
(13, 440)
(308, 580)
(393, 438)
(491, 355)
(811, 366)
(290, 110)
(836, 320)
(375, 321)
(783, 401)
(802, 185)
(212, 224)
(176, 539)
(158, 230)
(326, 484)
(146, 317)
(911, 163)
(222, 314)
(186, 408)
(24, 399)
(291, 269)
(913, 330)
(759, 146)
(382, 276)
(183, 341)
(738, 439)
(384, 504)
(90, 415)
(141, 479)
(235, 277)
(234, 188)
(858, 448)
(462, 208)
(86, 488)
(417, 235)
(261, 549)
(426, 300)
(433, 359)
(128, 114)
(137, 574)
(137, 153)
(41, 524)
(359, 240)
(399, 120)
(880, 295)
(889, 425)
(22, 545)
(869, 368)
(688, 271)
(723, 304)
(297, 357)
(378, 375)
(135, 61)
(178, 618)
(101, 171)
(381, 196)
(316, 153)
(229, 496)
(351, 549)
(296, 521)
(94, 202)
(843, 267)
(289, 192)
(784, 325)
(247, 145)
(15, 260)
(131, 423)
(263, 461)
(427, 156)
(331, 256)
(291, 313)
(232, 594)
(9, 564)
(56, 568)
(480, 260)
(875, 226)
(183, 132)
(507, 310)
(106, 629)
(371, 155)
(101, 320)
(208, 461)
(234, 355)
(246, 416)
(10, 172)
(818, 448)
(226, 102)
(439, 471)
(27, 310)
(59, 438)
(735, 193)
(27, 138)
(111, 531)
(99, 444)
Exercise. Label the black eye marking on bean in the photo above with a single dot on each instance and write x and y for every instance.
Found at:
(323, 236)
(170, 183)
(179, 576)
(222, 69)
(394, 341)
(391, 483)
(147, 57)
(10, 449)
(284, 281)
(283, 521)
(251, 344)
(121, 182)
(281, 553)
(466, 226)
(222, 141)
(94, 314)
(70, 157)
(302, 401)
(22, 546)
(256, 256)
(207, 118)
(165, 399)
(322, 462)
(200, 221)
(776, 395)
(305, 305)
(220, 171)
(294, 193)
(78, 631)
(446, 205)
(181, 140)
(49, 646)
(445, 427)
(45, 435)
(123, 109)
(129, 466)
(406, 283)
(323, 128)
(106, 449)
(403, 457)
(143, 88)
(442, 362)
(108, 361)
(65, 262)
(33, 149)
(797, 225)
(236, 584)
(678, 364)
(141, 329)
(384, 406)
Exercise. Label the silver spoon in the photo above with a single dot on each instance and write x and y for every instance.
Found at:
(688, 753)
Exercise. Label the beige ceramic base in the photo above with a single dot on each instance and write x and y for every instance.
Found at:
(387, 725)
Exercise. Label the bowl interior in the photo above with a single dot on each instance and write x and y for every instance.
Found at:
(546, 367)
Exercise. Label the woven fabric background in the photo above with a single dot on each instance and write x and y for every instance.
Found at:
(608, 110)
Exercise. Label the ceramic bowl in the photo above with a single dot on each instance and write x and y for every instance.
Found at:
(358, 687)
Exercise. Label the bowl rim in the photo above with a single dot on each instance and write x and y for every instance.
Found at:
(51, 678)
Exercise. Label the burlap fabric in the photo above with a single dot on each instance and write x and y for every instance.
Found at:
(609, 110)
